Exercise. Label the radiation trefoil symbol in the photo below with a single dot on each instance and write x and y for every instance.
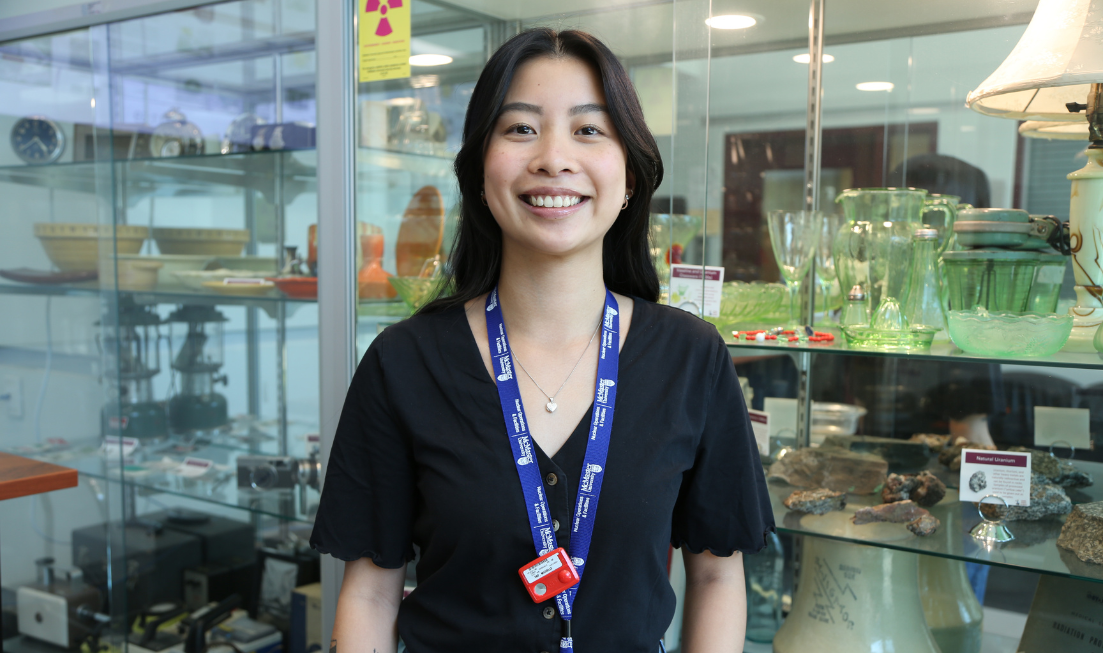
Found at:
(384, 27)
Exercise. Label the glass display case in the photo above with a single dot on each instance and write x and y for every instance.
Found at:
(159, 179)
(210, 217)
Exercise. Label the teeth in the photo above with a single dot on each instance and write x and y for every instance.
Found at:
(554, 201)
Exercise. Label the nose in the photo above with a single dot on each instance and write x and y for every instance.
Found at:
(554, 154)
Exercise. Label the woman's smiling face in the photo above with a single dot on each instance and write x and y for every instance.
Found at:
(555, 169)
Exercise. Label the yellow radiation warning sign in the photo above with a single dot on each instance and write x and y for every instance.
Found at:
(384, 39)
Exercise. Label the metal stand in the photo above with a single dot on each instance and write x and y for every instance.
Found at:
(991, 531)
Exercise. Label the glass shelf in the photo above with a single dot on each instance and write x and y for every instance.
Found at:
(1035, 547)
(939, 351)
(212, 174)
(151, 471)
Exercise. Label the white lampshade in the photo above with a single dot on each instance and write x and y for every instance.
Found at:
(1060, 54)
(1060, 131)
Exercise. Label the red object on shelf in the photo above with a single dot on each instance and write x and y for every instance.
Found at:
(297, 287)
(21, 477)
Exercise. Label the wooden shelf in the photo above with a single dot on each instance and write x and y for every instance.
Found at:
(20, 477)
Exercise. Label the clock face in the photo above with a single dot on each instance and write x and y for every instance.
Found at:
(37, 140)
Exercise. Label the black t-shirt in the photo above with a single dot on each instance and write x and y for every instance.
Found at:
(421, 456)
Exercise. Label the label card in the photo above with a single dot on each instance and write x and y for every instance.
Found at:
(689, 294)
(760, 424)
(1002, 473)
(116, 447)
(1066, 616)
(193, 467)
(1067, 426)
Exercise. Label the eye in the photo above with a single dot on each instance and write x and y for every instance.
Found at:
(589, 130)
(521, 129)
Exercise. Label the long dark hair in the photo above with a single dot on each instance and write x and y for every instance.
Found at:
(476, 257)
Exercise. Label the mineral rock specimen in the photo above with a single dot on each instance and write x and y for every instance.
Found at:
(900, 512)
(901, 455)
(832, 468)
(816, 502)
(923, 488)
(1083, 532)
(935, 442)
(925, 525)
(951, 456)
(1045, 499)
(1059, 472)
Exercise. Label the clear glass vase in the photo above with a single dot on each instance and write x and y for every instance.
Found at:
(923, 305)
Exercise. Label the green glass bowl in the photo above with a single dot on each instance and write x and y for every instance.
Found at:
(415, 291)
(866, 337)
(999, 333)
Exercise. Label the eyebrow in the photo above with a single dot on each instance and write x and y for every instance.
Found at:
(525, 107)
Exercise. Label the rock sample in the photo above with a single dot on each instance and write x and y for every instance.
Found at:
(935, 443)
(1083, 532)
(1045, 499)
(833, 468)
(923, 488)
(951, 455)
(901, 455)
(1058, 471)
(900, 512)
(924, 525)
(978, 481)
(817, 502)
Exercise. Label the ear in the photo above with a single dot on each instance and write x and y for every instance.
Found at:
(629, 182)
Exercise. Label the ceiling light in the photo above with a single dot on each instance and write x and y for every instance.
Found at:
(875, 86)
(731, 21)
(430, 60)
(805, 58)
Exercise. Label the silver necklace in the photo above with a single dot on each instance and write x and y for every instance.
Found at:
(551, 405)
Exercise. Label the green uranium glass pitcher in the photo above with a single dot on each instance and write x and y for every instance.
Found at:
(940, 213)
(874, 249)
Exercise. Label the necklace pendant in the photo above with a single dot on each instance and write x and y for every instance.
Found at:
(551, 406)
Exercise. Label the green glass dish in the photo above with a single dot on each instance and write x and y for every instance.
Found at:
(1000, 333)
(866, 337)
(994, 279)
(415, 291)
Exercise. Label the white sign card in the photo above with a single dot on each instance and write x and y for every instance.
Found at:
(760, 424)
(1066, 616)
(116, 447)
(688, 293)
(1002, 473)
(1063, 427)
(193, 467)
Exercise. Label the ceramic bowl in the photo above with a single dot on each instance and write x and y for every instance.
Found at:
(76, 246)
(415, 291)
(212, 242)
(1000, 333)
(167, 280)
(135, 274)
(297, 287)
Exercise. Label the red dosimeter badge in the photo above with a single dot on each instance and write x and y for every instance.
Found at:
(549, 575)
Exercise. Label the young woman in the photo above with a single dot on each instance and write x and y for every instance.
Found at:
(549, 364)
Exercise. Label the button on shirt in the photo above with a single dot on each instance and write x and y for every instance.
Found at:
(421, 456)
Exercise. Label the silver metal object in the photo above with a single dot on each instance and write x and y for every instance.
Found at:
(991, 531)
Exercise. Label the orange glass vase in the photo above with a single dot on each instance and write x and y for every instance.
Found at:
(372, 278)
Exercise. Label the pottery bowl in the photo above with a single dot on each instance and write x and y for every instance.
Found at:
(77, 246)
(135, 274)
(998, 333)
(212, 242)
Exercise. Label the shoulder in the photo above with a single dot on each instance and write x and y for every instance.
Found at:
(419, 331)
(667, 321)
(674, 336)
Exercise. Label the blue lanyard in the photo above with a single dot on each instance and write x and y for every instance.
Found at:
(597, 445)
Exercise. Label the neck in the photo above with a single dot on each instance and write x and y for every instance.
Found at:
(551, 299)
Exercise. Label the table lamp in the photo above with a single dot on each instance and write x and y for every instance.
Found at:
(1052, 80)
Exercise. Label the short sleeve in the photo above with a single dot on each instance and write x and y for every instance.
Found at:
(367, 503)
(723, 505)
